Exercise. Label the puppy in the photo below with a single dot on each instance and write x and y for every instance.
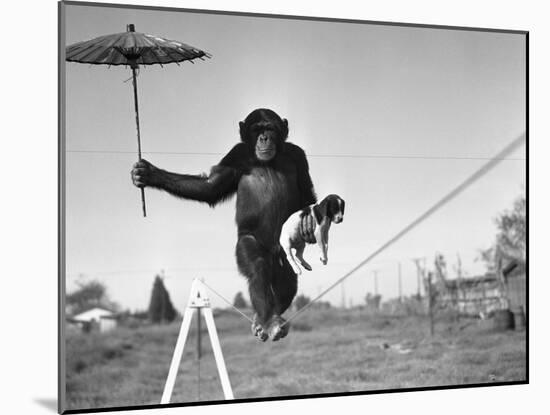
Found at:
(330, 209)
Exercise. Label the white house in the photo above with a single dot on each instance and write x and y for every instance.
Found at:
(104, 319)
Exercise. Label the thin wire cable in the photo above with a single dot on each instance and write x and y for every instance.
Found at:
(451, 195)
(228, 302)
(360, 156)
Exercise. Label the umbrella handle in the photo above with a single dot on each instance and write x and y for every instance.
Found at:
(134, 66)
(143, 202)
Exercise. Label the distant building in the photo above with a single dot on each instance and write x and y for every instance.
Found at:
(96, 318)
(478, 295)
(515, 278)
(484, 294)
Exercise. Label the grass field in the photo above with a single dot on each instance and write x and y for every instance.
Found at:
(326, 351)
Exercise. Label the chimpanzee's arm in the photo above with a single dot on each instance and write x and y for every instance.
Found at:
(218, 186)
(305, 185)
(212, 189)
(307, 192)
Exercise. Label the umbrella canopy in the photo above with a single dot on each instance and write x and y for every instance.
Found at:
(132, 48)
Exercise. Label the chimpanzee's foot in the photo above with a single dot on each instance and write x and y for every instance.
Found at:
(259, 331)
(278, 329)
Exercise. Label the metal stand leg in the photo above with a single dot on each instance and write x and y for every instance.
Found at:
(197, 300)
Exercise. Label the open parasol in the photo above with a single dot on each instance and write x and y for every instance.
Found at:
(132, 49)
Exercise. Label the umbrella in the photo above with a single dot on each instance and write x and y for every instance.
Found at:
(132, 48)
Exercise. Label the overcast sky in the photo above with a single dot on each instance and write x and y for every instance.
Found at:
(391, 118)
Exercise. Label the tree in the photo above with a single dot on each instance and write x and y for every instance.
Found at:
(161, 309)
(239, 301)
(510, 241)
(89, 294)
(512, 227)
(301, 301)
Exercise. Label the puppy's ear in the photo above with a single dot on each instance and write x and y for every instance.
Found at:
(320, 211)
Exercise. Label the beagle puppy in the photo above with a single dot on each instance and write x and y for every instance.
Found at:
(330, 209)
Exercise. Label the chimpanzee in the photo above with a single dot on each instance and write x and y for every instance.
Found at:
(271, 179)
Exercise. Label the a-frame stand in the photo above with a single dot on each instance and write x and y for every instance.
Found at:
(197, 299)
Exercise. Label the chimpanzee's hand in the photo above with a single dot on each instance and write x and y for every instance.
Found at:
(145, 174)
(307, 229)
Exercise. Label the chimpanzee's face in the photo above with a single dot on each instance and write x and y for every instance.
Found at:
(267, 140)
(265, 132)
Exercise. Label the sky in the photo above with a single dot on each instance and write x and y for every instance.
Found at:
(391, 119)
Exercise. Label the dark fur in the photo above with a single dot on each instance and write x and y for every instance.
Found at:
(267, 193)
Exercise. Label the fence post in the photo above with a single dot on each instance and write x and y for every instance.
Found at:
(430, 303)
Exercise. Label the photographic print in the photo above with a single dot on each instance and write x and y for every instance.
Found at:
(260, 207)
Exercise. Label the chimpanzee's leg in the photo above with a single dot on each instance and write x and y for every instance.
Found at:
(256, 263)
(285, 285)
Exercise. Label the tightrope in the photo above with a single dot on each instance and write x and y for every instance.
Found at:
(228, 302)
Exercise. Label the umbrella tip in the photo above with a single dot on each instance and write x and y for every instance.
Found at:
(130, 27)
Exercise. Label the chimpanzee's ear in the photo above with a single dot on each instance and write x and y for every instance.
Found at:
(320, 211)
(284, 131)
(242, 131)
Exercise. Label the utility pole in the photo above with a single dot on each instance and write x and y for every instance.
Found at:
(431, 303)
(420, 270)
(343, 295)
(399, 283)
(460, 292)
(375, 272)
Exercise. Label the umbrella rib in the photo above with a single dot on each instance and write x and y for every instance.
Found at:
(86, 50)
(182, 50)
(151, 47)
(153, 51)
(184, 53)
(192, 55)
(173, 58)
(108, 47)
(90, 43)
(183, 57)
(148, 41)
(89, 56)
(79, 52)
(96, 44)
